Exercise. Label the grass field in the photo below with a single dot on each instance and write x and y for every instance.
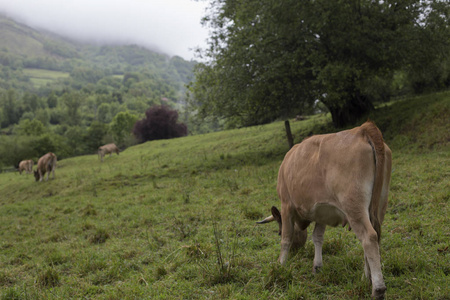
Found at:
(40, 77)
(175, 219)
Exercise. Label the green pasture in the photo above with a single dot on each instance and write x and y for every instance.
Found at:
(175, 219)
(118, 76)
(40, 77)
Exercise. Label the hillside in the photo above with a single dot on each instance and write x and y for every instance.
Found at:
(176, 219)
(24, 47)
(56, 93)
(20, 39)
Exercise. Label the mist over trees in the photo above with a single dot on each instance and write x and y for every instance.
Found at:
(275, 59)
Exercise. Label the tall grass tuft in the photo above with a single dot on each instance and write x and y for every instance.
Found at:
(99, 236)
(48, 278)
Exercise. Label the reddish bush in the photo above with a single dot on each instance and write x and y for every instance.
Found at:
(160, 123)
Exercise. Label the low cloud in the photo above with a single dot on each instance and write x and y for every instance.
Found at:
(168, 26)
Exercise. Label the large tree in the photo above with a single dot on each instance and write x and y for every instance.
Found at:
(160, 122)
(270, 58)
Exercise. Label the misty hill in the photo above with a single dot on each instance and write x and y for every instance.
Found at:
(23, 47)
(56, 92)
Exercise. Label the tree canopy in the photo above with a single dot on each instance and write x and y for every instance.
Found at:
(270, 59)
(160, 122)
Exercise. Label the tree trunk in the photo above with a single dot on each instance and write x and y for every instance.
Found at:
(289, 136)
(351, 111)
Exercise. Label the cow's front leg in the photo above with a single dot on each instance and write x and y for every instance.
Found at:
(319, 231)
(367, 269)
(287, 233)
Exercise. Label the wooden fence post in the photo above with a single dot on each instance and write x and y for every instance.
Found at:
(290, 139)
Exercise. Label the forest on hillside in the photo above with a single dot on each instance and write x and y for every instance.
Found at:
(67, 97)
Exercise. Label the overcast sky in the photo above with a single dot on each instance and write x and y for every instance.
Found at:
(168, 26)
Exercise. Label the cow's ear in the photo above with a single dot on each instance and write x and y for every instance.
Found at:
(277, 216)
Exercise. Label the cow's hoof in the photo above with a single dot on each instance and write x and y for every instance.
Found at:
(378, 293)
(316, 269)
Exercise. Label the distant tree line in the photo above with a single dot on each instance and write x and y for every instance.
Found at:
(72, 123)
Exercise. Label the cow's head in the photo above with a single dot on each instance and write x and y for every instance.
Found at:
(300, 232)
(36, 175)
(276, 216)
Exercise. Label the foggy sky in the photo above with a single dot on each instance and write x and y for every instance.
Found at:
(168, 26)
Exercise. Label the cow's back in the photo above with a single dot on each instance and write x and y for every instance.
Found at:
(47, 162)
(324, 166)
(26, 165)
(23, 165)
(109, 148)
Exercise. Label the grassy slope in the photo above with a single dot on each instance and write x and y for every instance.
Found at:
(176, 219)
(19, 39)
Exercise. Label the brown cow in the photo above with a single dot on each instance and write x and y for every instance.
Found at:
(46, 164)
(107, 149)
(336, 179)
(27, 166)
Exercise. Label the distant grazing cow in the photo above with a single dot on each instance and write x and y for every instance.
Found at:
(46, 164)
(107, 149)
(299, 118)
(336, 179)
(27, 166)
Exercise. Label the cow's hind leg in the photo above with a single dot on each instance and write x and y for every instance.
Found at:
(369, 240)
(317, 237)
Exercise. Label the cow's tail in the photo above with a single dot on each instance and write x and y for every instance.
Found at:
(375, 139)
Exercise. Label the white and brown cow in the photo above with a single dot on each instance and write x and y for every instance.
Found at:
(336, 179)
(46, 164)
(107, 149)
(27, 166)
